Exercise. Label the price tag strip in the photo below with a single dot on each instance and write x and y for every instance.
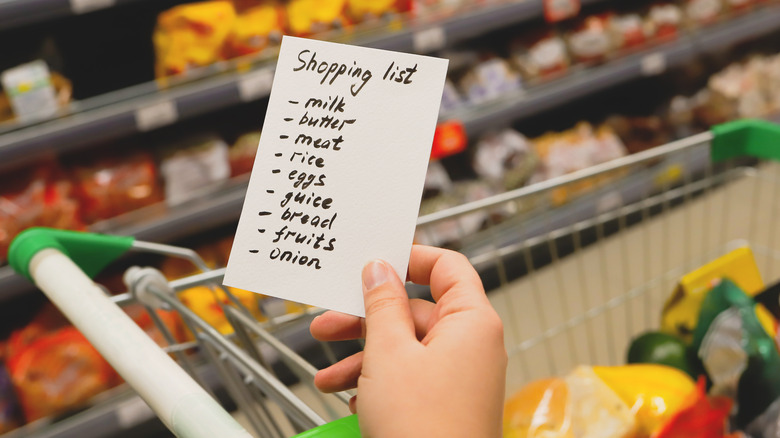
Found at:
(256, 85)
(84, 6)
(339, 171)
(155, 116)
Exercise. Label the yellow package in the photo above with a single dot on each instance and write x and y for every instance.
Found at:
(254, 29)
(306, 17)
(192, 35)
(681, 311)
(655, 393)
(362, 9)
(207, 304)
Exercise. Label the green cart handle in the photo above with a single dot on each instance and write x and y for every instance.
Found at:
(745, 138)
(90, 251)
(346, 427)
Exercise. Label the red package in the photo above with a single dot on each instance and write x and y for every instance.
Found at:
(110, 186)
(171, 319)
(35, 197)
(242, 153)
(665, 20)
(590, 41)
(540, 53)
(704, 417)
(58, 371)
(627, 30)
(559, 10)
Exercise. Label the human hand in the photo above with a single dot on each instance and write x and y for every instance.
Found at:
(427, 369)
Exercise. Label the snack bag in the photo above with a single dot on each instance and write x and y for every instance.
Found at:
(113, 185)
(703, 11)
(242, 153)
(307, 17)
(193, 164)
(506, 159)
(171, 319)
(58, 371)
(490, 80)
(628, 31)
(35, 197)
(192, 35)
(254, 29)
(362, 10)
(590, 40)
(541, 54)
(207, 303)
(665, 20)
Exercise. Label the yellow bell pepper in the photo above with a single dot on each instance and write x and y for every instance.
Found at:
(654, 393)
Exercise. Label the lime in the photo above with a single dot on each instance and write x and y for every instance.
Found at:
(660, 348)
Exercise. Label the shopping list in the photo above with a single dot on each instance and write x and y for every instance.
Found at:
(339, 172)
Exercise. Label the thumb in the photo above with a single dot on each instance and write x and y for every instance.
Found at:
(388, 315)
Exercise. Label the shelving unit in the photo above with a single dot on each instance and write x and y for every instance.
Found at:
(133, 113)
(647, 62)
(127, 112)
(224, 207)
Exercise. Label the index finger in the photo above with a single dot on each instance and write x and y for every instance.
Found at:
(447, 272)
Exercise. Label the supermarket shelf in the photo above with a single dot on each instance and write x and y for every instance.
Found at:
(222, 91)
(165, 224)
(18, 13)
(154, 110)
(650, 61)
(479, 20)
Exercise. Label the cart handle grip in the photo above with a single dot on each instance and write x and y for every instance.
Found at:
(346, 427)
(90, 251)
(746, 137)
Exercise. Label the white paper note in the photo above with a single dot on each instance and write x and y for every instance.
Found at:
(339, 172)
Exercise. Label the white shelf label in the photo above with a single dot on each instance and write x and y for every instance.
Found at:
(133, 412)
(653, 64)
(429, 40)
(156, 116)
(84, 6)
(256, 85)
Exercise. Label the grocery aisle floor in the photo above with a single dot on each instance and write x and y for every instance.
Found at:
(646, 260)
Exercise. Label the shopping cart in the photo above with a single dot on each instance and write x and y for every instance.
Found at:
(576, 267)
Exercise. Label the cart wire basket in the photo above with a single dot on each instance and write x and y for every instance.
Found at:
(576, 267)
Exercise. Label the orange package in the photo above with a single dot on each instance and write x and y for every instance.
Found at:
(114, 185)
(58, 371)
(35, 197)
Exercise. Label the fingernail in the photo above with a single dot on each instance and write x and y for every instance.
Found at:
(375, 274)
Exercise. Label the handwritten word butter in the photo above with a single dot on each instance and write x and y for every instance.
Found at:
(339, 171)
